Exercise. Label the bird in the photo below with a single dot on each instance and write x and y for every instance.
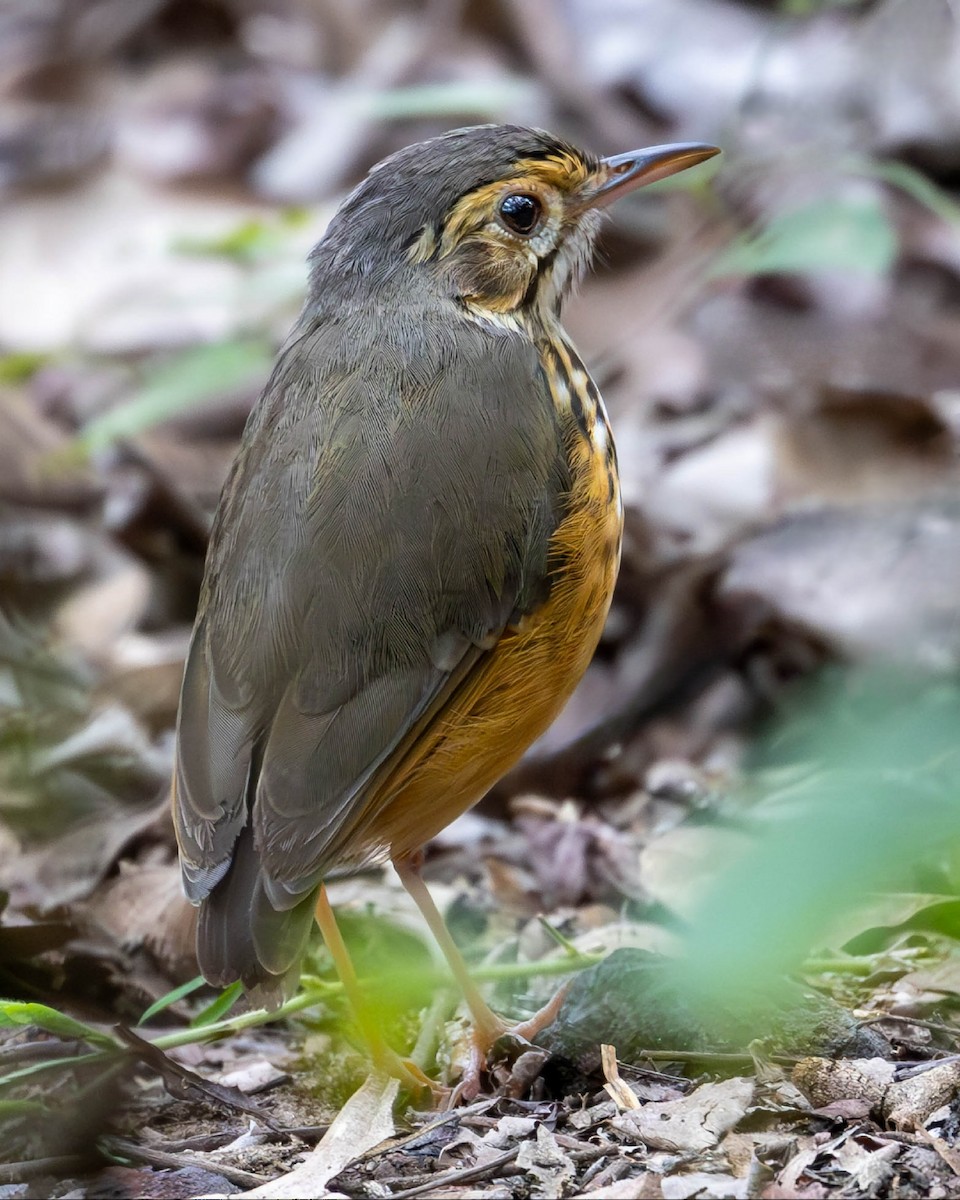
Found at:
(414, 552)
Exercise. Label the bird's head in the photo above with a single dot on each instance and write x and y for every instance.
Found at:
(502, 217)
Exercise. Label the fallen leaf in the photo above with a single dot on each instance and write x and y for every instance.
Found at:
(700, 1184)
(364, 1121)
(691, 1125)
(550, 1167)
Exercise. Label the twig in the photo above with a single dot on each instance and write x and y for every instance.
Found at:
(121, 1148)
(933, 1026)
(205, 1142)
(456, 1177)
(720, 1057)
(454, 1115)
(181, 1081)
(59, 1166)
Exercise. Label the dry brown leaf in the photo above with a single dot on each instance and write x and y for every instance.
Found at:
(364, 1121)
(691, 1125)
(704, 1186)
(949, 1155)
(877, 583)
(551, 1169)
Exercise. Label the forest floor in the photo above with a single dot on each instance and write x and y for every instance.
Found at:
(738, 846)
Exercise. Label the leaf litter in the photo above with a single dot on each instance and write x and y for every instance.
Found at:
(778, 347)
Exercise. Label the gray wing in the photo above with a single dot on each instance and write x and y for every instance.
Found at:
(379, 531)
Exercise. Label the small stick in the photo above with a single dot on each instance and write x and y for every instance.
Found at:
(483, 1171)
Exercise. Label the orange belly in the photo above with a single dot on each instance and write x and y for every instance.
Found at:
(516, 690)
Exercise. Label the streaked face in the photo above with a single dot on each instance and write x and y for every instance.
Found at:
(521, 241)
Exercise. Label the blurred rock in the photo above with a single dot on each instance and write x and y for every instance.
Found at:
(631, 1002)
(874, 583)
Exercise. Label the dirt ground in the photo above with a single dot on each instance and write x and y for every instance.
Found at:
(739, 846)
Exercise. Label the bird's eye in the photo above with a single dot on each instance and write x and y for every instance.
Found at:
(520, 212)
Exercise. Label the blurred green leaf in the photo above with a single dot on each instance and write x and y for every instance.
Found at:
(395, 960)
(183, 382)
(219, 1007)
(914, 183)
(459, 98)
(879, 799)
(250, 240)
(50, 1064)
(178, 993)
(17, 1012)
(19, 365)
(808, 8)
(835, 235)
(881, 913)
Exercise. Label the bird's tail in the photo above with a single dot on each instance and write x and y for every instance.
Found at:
(240, 935)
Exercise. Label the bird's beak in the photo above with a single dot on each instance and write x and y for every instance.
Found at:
(622, 173)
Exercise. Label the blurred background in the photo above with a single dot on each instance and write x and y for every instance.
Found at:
(777, 335)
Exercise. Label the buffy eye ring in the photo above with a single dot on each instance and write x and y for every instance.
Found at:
(520, 212)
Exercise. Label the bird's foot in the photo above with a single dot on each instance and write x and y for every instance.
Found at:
(485, 1035)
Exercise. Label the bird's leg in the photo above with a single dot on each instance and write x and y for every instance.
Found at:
(383, 1057)
(487, 1026)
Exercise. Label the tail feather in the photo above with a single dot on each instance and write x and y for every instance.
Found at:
(240, 935)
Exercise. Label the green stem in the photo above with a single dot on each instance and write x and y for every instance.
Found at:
(319, 990)
(861, 966)
(567, 965)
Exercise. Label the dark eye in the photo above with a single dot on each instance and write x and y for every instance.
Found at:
(521, 212)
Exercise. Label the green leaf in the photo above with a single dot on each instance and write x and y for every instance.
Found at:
(219, 1008)
(16, 1012)
(180, 383)
(249, 241)
(834, 235)
(880, 808)
(879, 913)
(19, 365)
(49, 1064)
(914, 183)
(171, 998)
(456, 98)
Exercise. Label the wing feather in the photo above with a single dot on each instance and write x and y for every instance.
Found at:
(378, 532)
